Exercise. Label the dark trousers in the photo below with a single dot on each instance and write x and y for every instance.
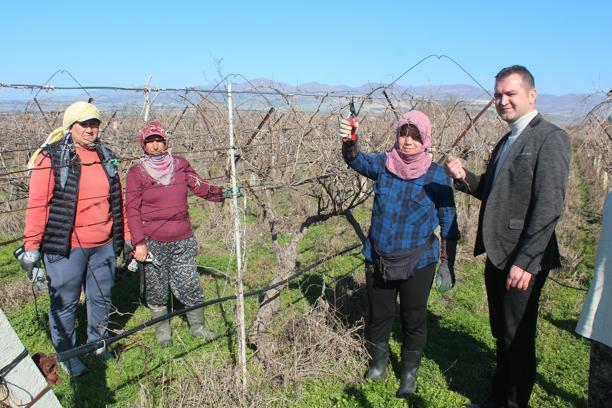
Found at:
(513, 316)
(382, 299)
(600, 376)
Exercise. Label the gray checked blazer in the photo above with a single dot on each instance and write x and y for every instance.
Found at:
(520, 210)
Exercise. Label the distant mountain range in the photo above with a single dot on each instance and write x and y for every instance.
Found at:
(563, 109)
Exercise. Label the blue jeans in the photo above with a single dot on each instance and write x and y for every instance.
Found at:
(93, 268)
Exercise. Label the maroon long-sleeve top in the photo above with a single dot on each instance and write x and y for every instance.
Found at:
(159, 212)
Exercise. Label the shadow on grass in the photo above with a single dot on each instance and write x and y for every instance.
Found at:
(212, 272)
(551, 388)
(230, 328)
(229, 325)
(91, 389)
(464, 360)
(413, 400)
(359, 396)
(148, 369)
(568, 325)
(346, 296)
(125, 298)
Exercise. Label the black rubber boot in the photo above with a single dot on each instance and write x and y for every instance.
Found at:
(196, 325)
(380, 358)
(162, 329)
(410, 364)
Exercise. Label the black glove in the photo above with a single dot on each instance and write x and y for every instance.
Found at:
(445, 275)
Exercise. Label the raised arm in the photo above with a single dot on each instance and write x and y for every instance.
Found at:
(367, 165)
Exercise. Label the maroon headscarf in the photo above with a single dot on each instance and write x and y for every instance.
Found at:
(410, 166)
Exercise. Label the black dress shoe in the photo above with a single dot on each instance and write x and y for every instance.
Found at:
(489, 402)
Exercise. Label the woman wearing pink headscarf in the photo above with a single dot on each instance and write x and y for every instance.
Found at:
(412, 197)
(157, 210)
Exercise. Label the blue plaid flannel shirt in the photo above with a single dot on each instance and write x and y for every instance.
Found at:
(406, 212)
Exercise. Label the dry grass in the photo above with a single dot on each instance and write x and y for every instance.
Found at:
(16, 293)
(310, 345)
(317, 344)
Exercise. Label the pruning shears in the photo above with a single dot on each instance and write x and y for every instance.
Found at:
(352, 121)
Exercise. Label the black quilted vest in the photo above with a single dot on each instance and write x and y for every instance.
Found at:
(60, 223)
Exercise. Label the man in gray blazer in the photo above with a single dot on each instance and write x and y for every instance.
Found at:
(522, 193)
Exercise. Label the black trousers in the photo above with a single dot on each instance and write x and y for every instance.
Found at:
(600, 375)
(382, 299)
(513, 316)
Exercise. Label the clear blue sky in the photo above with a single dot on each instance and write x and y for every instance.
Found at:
(566, 44)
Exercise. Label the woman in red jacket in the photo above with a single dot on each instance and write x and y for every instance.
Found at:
(74, 222)
(158, 217)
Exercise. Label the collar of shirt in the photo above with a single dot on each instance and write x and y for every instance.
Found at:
(517, 127)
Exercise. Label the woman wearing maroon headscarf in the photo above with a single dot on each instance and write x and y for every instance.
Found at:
(412, 197)
(157, 210)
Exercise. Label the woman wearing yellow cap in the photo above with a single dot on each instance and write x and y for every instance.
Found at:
(75, 222)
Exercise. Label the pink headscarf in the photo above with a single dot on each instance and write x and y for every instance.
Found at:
(410, 166)
(160, 168)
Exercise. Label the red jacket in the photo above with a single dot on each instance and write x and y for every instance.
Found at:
(93, 222)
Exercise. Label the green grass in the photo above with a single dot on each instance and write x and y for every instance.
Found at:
(460, 354)
(8, 264)
(458, 359)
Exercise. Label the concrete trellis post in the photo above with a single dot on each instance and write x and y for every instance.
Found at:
(23, 382)
(240, 290)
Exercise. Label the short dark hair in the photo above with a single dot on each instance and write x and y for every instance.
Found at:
(528, 80)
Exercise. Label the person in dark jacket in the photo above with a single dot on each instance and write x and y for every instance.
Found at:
(522, 192)
(412, 197)
(75, 221)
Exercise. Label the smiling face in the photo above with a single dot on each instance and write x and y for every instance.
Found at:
(85, 133)
(155, 145)
(513, 99)
(409, 140)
